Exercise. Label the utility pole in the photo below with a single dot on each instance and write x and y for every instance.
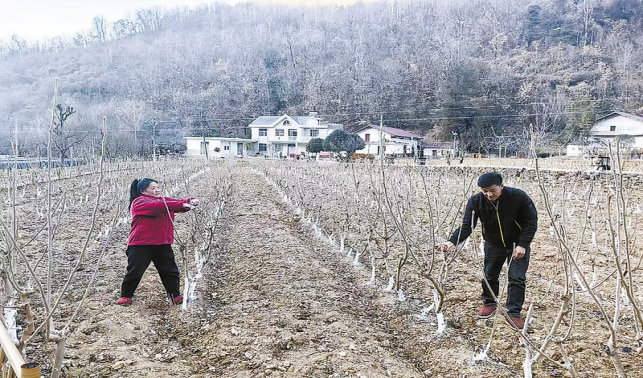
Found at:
(154, 141)
(455, 144)
(9, 289)
(381, 139)
(203, 132)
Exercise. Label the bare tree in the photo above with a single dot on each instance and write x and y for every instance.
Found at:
(149, 19)
(66, 139)
(132, 114)
(123, 28)
(99, 28)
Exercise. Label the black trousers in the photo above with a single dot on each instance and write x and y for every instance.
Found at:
(139, 258)
(494, 258)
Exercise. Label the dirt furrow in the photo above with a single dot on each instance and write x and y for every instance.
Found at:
(292, 306)
(274, 301)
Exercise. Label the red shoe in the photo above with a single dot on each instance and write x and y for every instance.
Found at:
(177, 300)
(516, 322)
(124, 301)
(486, 312)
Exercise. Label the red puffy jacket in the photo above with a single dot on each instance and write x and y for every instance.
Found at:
(151, 222)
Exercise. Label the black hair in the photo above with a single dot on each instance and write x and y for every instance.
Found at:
(137, 187)
(489, 179)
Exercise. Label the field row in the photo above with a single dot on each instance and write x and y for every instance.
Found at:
(584, 281)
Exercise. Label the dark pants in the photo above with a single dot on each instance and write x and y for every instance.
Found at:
(494, 258)
(139, 258)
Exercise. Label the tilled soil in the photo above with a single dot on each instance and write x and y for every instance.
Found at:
(278, 301)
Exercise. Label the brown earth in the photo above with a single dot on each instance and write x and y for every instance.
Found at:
(275, 300)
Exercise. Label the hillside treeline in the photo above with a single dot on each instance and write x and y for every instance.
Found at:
(479, 70)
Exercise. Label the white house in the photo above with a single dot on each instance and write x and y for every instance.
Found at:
(436, 150)
(220, 147)
(288, 135)
(396, 141)
(618, 124)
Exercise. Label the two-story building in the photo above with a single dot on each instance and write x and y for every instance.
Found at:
(288, 135)
(395, 141)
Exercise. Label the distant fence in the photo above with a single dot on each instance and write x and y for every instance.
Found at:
(546, 163)
(23, 163)
(16, 366)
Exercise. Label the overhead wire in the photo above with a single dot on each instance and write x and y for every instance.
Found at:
(437, 118)
(443, 109)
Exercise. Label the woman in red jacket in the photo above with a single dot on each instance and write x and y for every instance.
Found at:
(151, 237)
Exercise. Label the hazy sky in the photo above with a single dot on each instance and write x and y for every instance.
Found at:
(43, 19)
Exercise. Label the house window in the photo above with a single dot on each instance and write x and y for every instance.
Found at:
(612, 128)
(263, 132)
(367, 137)
(263, 147)
(314, 133)
(286, 122)
(279, 132)
(226, 148)
(292, 132)
(204, 147)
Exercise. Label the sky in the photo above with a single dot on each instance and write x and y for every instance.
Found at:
(44, 19)
(36, 20)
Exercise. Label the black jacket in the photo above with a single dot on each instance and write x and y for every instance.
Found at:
(512, 222)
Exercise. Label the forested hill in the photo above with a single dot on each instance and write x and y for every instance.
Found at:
(479, 68)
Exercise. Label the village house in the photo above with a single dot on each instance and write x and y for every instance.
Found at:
(280, 136)
(436, 150)
(396, 141)
(628, 127)
(272, 136)
(624, 126)
(220, 147)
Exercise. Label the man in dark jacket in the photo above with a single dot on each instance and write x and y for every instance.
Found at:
(509, 221)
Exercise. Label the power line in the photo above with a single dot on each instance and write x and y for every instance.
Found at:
(324, 116)
(392, 112)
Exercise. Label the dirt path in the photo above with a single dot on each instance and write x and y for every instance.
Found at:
(292, 306)
(274, 301)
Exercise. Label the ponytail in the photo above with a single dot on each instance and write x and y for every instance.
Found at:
(137, 187)
(133, 192)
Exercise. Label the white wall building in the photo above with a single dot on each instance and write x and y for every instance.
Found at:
(396, 141)
(220, 147)
(288, 135)
(436, 150)
(617, 124)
